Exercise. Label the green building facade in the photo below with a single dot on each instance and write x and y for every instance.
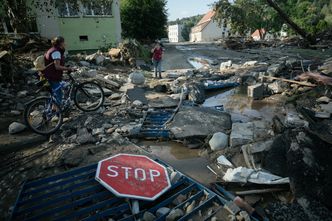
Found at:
(85, 26)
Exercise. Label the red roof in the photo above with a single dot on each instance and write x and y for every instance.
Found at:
(207, 17)
(256, 33)
(204, 21)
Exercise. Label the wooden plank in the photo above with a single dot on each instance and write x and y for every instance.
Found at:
(307, 84)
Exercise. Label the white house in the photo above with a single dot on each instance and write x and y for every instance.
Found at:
(207, 29)
(175, 33)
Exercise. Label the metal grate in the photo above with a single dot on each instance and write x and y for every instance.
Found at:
(75, 195)
(153, 126)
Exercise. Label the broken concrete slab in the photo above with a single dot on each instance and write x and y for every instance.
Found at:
(200, 122)
(242, 133)
(256, 91)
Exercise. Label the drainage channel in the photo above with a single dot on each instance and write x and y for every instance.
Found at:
(154, 124)
(77, 195)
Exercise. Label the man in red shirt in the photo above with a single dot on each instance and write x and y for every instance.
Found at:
(55, 65)
(157, 56)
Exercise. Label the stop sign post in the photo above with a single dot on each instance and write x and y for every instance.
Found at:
(133, 176)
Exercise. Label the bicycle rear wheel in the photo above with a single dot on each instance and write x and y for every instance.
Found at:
(89, 96)
(43, 116)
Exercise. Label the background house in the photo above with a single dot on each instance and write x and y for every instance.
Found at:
(85, 25)
(175, 33)
(209, 30)
(262, 34)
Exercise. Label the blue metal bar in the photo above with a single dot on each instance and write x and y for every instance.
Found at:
(196, 209)
(60, 176)
(58, 184)
(55, 192)
(181, 205)
(95, 207)
(107, 212)
(70, 206)
(61, 198)
(170, 199)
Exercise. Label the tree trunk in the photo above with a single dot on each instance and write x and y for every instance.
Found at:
(17, 13)
(294, 26)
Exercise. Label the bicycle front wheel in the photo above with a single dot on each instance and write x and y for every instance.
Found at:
(43, 116)
(89, 96)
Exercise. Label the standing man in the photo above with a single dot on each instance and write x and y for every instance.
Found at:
(157, 56)
(55, 65)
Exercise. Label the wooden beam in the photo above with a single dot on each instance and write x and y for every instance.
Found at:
(307, 84)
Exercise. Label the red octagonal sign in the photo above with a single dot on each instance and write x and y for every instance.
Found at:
(133, 176)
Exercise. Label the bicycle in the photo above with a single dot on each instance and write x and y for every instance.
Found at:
(44, 115)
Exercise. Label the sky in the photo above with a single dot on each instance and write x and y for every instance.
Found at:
(187, 8)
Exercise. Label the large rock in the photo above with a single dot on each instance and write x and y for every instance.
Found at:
(84, 137)
(218, 141)
(16, 127)
(136, 78)
(199, 121)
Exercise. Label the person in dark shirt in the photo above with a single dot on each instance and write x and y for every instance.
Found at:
(55, 65)
(157, 56)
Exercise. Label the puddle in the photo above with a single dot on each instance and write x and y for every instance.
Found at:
(199, 63)
(242, 108)
(183, 159)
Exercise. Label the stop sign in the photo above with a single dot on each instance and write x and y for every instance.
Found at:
(133, 176)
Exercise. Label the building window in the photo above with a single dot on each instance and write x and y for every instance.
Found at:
(94, 9)
(84, 38)
(68, 9)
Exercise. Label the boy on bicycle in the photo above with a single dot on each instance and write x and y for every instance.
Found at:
(55, 65)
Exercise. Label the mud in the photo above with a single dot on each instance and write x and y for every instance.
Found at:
(183, 159)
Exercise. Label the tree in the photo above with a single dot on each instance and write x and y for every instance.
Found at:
(144, 20)
(245, 16)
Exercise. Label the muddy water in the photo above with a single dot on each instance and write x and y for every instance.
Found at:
(183, 159)
(242, 108)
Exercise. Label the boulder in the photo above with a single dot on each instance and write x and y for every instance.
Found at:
(99, 59)
(218, 141)
(136, 78)
(84, 137)
(162, 211)
(16, 127)
(175, 214)
(225, 65)
(147, 216)
(199, 121)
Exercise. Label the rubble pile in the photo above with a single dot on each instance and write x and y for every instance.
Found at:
(267, 133)
(23, 43)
